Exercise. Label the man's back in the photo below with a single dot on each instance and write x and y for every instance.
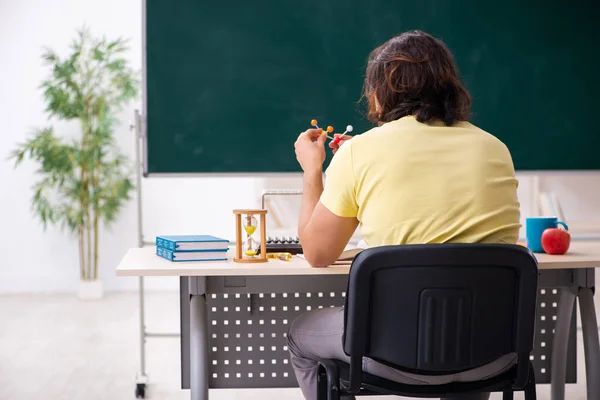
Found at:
(420, 183)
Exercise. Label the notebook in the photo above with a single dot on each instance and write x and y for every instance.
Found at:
(202, 255)
(191, 242)
(345, 258)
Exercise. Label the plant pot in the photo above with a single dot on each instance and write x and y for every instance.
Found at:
(90, 290)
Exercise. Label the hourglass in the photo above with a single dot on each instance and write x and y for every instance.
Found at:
(247, 246)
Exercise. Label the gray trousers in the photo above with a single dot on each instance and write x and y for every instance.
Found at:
(318, 334)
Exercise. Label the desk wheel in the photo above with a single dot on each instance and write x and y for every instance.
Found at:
(140, 391)
(141, 382)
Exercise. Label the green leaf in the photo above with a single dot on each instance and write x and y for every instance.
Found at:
(49, 56)
(98, 54)
(117, 65)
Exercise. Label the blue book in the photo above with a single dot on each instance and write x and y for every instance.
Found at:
(191, 242)
(201, 255)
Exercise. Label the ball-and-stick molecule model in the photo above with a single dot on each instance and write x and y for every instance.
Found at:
(339, 138)
(329, 129)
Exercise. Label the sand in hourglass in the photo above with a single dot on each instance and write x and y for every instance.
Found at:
(250, 227)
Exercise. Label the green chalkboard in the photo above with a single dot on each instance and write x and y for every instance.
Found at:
(230, 84)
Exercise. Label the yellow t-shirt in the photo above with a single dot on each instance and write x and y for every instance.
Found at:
(412, 183)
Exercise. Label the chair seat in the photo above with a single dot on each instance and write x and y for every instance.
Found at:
(375, 385)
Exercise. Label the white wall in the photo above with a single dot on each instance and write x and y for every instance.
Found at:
(36, 261)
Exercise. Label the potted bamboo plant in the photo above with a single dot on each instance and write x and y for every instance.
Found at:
(83, 181)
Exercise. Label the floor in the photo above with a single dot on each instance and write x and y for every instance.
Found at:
(57, 347)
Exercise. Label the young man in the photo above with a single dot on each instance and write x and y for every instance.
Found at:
(424, 175)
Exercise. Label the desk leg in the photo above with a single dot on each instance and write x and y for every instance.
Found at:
(198, 348)
(560, 345)
(591, 343)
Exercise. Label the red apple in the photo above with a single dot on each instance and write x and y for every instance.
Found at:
(556, 241)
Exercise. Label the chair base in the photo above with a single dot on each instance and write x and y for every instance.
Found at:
(333, 378)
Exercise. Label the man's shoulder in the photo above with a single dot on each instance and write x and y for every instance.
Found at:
(376, 132)
(364, 137)
(486, 137)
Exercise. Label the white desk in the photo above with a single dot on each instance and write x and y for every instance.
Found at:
(144, 262)
(573, 273)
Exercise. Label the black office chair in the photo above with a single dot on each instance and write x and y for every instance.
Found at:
(434, 310)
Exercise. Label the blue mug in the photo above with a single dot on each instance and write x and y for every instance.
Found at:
(535, 226)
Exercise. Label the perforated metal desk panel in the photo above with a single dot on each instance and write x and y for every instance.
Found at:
(248, 327)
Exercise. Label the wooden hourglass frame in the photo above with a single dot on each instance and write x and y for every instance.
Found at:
(239, 236)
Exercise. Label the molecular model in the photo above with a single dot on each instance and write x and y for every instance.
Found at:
(336, 140)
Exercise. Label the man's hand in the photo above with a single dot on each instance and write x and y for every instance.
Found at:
(336, 146)
(310, 150)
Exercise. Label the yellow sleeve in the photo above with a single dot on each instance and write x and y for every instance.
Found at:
(339, 195)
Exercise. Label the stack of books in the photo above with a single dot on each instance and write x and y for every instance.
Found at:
(192, 248)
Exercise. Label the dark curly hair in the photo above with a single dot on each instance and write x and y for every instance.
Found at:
(414, 74)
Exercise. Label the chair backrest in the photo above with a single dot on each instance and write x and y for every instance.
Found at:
(440, 308)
